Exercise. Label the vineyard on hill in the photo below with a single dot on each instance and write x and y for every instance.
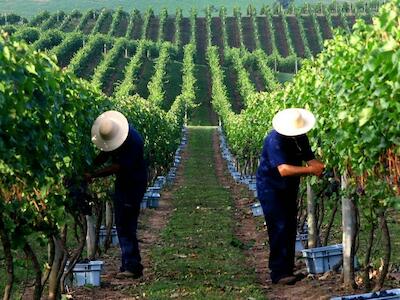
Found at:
(166, 70)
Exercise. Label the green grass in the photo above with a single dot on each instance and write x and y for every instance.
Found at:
(198, 256)
(29, 8)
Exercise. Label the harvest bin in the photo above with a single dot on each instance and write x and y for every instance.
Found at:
(257, 209)
(322, 259)
(103, 235)
(301, 238)
(87, 273)
(388, 294)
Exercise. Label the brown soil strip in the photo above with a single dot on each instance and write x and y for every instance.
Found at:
(295, 35)
(323, 24)
(248, 33)
(136, 33)
(201, 40)
(217, 38)
(185, 31)
(264, 34)
(232, 28)
(169, 30)
(281, 42)
(337, 21)
(117, 75)
(89, 25)
(311, 34)
(152, 33)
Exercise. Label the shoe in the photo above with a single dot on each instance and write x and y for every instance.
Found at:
(129, 275)
(287, 280)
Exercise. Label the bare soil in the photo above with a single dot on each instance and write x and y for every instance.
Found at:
(169, 30)
(311, 34)
(201, 40)
(248, 33)
(217, 37)
(295, 35)
(153, 29)
(185, 31)
(265, 35)
(281, 42)
(323, 24)
(232, 28)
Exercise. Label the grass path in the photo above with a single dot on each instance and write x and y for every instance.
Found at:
(197, 257)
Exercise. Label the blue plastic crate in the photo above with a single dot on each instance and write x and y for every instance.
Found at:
(87, 273)
(387, 294)
(301, 239)
(322, 259)
(257, 209)
(103, 234)
(153, 200)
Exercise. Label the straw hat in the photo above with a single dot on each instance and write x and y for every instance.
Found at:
(293, 121)
(110, 130)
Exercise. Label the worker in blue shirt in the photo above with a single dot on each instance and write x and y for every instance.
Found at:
(123, 145)
(285, 149)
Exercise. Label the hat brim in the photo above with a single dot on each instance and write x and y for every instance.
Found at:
(114, 143)
(280, 124)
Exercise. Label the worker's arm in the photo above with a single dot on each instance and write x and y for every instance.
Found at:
(314, 167)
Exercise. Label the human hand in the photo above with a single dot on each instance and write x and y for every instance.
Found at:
(316, 167)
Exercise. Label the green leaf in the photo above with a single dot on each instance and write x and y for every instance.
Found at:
(365, 115)
(390, 45)
(31, 69)
(6, 52)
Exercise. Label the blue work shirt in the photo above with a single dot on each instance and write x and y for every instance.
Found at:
(279, 149)
(130, 157)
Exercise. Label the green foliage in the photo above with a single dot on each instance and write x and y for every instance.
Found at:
(101, 20)
(39, 19)
(28, 34)
(10, 29)
(46, 119)
(84, 20)
(128, 86)
(94, 46)
(53, 20)
(116, 22)
(105, 69)
(70, 45)
(162, 17)
(135, 19)
(178, 21)
(146, 22)
(156, 84)
(49, 39)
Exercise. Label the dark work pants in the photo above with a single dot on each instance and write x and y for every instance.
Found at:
(280, 212)
(127, 209)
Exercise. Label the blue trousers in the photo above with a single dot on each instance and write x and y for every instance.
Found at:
(127, 209)
(280, 212)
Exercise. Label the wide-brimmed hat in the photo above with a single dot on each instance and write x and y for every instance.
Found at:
(110, 130)
(293, 121)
